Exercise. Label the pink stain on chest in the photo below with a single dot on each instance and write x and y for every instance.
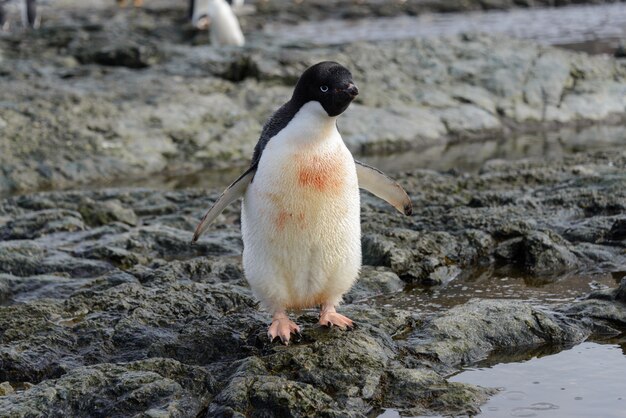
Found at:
(284, 217)
(322, 172)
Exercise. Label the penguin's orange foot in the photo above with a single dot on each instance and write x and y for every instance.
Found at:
(328, 319)
(282, 327)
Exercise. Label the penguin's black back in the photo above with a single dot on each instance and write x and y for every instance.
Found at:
(273, 126)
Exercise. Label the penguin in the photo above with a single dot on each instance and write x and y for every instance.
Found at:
(235, 4)
(3, 17)
(225, 28)
(29, 14)
(300, 218)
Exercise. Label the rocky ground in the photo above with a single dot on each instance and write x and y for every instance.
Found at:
(109, 311)
(110, 94)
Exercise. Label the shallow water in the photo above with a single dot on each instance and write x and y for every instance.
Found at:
(585, 381)
(489, 284)
(468, 156)
(579, 27)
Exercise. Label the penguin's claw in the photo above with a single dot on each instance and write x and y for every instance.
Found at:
(282, 328)
(328, 319)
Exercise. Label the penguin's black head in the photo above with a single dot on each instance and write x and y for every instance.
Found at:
(328, 83)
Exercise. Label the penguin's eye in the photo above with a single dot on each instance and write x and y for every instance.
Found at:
(324, 89)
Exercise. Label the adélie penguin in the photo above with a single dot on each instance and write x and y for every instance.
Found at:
(30, 19)
(300, 217)
(219, 16)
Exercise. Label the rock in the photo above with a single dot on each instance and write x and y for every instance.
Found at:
(346, 9)
(103, 213)
(538, 253)
(620, 293)
(124, 313)
(602, 310)
(106, 307)
(128, 54)
(618, 230)
(153, 387)
(195, 106)
(6, 389)
(422, 391)
(373, 282)
(468, 332)
(466, 119)
(40, 223)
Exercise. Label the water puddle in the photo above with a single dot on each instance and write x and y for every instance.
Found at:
(584, 381)
(575, 26)
(488, 284)
(471, 156)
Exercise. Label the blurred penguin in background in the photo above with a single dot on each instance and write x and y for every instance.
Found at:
(29, 14)
(3, 17)
(219, 16)
(235, 4)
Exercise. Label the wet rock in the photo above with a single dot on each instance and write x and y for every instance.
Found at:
(374, 281)
(199, 106)
(17, 289)
(468, 332)
(6, 389)
(24, 258)
(105, 212)
(345, 9)
(618, 230)
(128, 54)
(40, 223)
(428, 258)
(334, 373)
(89, 307)
(604, 311)
(154, 387)
(538, 253)
(422, 391)
(270, 395)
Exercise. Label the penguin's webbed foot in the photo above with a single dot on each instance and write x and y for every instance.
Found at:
(330, 317)
(282, 327)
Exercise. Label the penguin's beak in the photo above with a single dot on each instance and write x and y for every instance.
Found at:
(352, 90)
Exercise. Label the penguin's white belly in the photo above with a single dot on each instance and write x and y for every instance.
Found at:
(301, 225)
(225, 29)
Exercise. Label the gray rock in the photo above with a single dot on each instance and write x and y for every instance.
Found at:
(538, 253)
(40, 223)
(105, 212)
(125, 314)
(422, 391)
(82, 116)
(374, 282)
(6, 389)
(468, 332)
(152, 387)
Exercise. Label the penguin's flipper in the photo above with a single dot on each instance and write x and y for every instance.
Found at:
(376, 182)
(232, 193)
